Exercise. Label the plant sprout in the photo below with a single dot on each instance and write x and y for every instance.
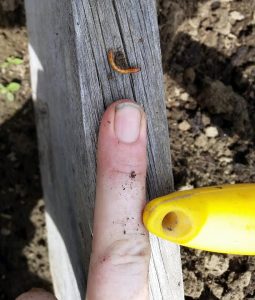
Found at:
(10, 61)
(9, 90)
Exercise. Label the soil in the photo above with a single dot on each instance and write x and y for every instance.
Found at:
(209, 69)
(23, 247)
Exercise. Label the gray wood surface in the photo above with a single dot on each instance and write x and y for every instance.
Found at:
(72, 85)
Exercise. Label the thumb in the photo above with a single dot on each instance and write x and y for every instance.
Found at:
(120, 254)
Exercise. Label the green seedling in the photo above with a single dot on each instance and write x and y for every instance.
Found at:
(11, 61)
(9, 90)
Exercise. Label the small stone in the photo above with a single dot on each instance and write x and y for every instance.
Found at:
(216, 289)
(177, 92)
(186, 188)
(5, 231)
(211, 132)
(5, 216)
(184, 96)
(225, 30)
(215, 5)
(189, 75)
(191, 105)
(241, 282)
(205, 23)
(194, 23)
(210, 39)
(198, 252)
(233, 295)
(193, 32)
(175, 104)
(225, 159)
(12, 156)
(201, 141)
(193, 287)
(237, 285)
(184, 126)
(206, 120)
(166, 4)
(9, 5)
(236, 15)
(176, 114)
(227, 152)
(223, 25)
(216, 264)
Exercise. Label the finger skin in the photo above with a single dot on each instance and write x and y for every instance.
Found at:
(36, 294)
(121, 251)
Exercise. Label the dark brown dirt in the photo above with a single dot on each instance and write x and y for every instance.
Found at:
(210, 97)
(209, 64)
(23, 251)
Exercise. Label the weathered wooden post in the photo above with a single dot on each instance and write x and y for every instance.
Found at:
(72, 84)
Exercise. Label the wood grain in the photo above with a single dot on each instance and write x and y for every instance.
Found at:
(72, 84)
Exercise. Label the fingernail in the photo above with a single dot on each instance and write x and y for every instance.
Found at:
(127, 122)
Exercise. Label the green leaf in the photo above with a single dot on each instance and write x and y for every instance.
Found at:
(3, 89)
(13, 87)
(10, 96)
(14, 60)
(4, 65)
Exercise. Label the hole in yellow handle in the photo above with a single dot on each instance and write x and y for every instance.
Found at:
(176, 224)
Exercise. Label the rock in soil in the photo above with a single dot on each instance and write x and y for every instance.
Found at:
(216, 265)
(193, 285)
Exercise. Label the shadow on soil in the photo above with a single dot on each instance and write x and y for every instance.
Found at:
(216, 83)
(12, 17)
(20, 190)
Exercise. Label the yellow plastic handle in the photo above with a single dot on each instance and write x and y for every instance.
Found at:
(219, 218)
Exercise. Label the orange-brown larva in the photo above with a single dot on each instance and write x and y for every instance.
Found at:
(118, 69)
